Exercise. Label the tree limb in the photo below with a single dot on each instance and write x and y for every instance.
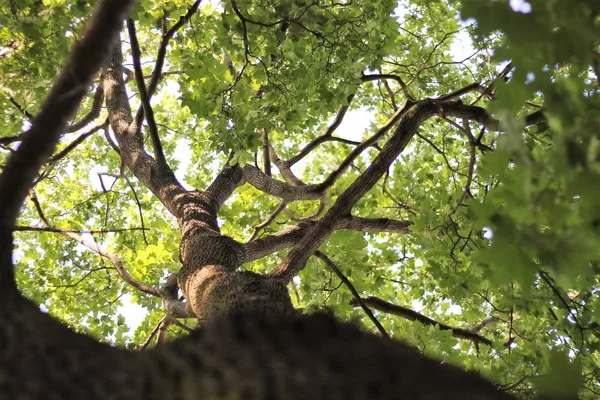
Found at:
(480, 115)
(159, 154)
(20, 108)
(333, 176)
(412, 118)
(21, 228)
(268, 221)
(459, 92)
(230, 178)
(153, 333)
(323, 137)
(292, 235)
(397, 78)
(394, 309)
(162, 53)
(284, 168)
(374, 225)
(266, 152)
(159, 178)
(71, 146)
(331, 265)
(484, 323)
(92, 114)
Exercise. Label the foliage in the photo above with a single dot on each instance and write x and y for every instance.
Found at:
(505, 225)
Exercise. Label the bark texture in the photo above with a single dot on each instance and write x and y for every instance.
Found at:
(242, 357)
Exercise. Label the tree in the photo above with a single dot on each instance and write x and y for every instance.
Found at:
(463, 220)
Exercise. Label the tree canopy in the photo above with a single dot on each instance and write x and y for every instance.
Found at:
(429, 170)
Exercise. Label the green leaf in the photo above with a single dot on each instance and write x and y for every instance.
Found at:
(564, 378)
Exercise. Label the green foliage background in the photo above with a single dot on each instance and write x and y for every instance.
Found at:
(524, 246)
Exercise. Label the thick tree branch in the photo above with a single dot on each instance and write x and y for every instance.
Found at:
(412, 116)
(387, 307)
(459, 92)
(162, 53)
(284, 168)
(484, 323)
(174, 306)
(288, 237)
(226, 182)
(374, 225)
(160, 179)
(86, 58)
(331, 265)
(480, 115)
(159, 154)
(266, 152)
(230, 178)
(291, 235)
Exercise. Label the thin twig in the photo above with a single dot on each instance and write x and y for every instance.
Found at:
(21, 228)
(268, 221)
(153, 333)
(100, 251)
(71, 146)
(331, 265)
(467, 189)
(323, 137)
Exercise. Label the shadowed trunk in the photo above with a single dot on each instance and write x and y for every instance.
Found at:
(209, 276)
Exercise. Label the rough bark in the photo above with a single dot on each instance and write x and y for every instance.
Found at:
(243, 357)
(208, 278)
